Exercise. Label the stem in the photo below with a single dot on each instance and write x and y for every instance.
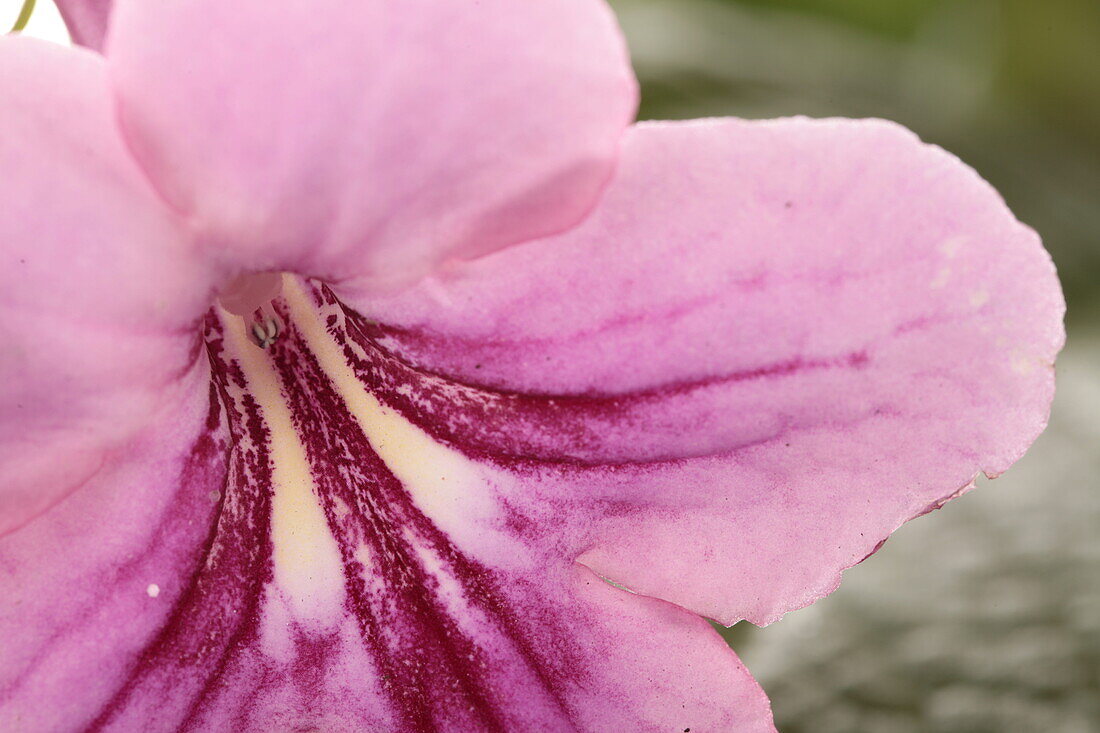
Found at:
(24, 16)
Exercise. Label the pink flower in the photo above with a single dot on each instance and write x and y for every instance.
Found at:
(710, 363)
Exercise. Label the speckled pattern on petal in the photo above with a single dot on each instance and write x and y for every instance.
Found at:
(323, 562)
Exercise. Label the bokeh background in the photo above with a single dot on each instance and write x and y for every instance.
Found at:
(983, 617)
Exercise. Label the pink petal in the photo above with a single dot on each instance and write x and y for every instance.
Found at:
(840, 325)
(98, 291)
(86, 20)
(88, 584)
(370, 141)
(397, 618)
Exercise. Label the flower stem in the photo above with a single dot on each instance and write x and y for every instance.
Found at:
(24, 16)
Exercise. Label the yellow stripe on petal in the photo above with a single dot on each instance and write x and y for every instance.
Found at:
(307, 565)
(445, 484)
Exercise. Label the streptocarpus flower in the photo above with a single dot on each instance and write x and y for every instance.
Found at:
(540, 389)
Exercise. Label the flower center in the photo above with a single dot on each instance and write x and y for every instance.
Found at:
(250, 296)
(342, 536)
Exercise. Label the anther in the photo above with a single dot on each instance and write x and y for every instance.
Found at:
(266, 327)
(249, 296)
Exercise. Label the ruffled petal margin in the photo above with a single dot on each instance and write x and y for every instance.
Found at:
(771, 345)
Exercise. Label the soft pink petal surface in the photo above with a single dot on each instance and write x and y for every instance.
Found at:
(370, 141)
(86, 20)
(99, 294)
(839, 326)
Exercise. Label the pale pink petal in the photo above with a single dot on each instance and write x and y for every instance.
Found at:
(86, 20)
(349, 602)
(371, 140)
(841, 325)
(99, 295)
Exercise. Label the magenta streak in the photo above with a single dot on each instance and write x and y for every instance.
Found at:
(425, 340)
(218, 612)
(431, 667)
(204, 466)
(514, 428)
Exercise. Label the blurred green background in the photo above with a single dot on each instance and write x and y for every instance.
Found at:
(985, 616)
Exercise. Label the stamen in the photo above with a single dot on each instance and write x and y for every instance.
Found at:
(266, 326)
(249, 296)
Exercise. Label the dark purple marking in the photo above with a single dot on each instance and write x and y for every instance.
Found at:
(517, 429)
(203, 467)
(454, 642)
(218, 612)
(432, 668)
(452, 649)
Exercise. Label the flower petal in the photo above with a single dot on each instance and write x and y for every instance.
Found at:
(99, 294)
(372, 140)
(86, 585)
(326, 586)
(86, 20)
(840, 325)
